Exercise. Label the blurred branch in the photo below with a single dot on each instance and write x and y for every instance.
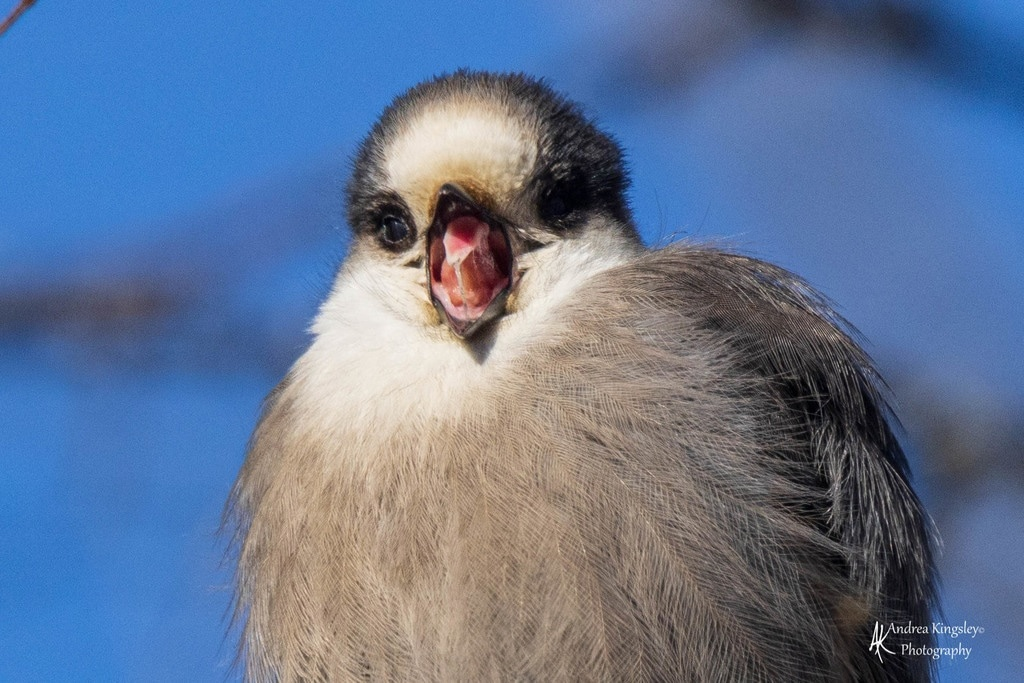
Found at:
(691, 40)
(89, 305)
(17, 12)
(196, 290)
(972, 440)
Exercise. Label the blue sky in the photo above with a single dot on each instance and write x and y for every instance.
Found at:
(115, 113)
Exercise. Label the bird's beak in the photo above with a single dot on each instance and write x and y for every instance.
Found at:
(470, 264)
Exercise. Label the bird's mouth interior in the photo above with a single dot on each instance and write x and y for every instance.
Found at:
(469, 260)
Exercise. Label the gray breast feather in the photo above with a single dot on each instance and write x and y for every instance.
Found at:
(691, 477)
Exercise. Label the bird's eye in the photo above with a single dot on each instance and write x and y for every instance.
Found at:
(393, 230)
(553, 206)
(562, 198)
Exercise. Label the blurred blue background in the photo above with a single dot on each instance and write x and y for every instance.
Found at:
(171, 214)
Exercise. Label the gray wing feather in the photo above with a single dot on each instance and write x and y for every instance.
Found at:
(835, 404)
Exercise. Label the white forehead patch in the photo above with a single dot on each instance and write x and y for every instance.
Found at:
(476, 144)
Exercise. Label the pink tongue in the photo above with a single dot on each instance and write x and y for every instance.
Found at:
(462, 236)
(469, 276)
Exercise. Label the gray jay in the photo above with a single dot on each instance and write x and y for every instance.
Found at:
(524, 446)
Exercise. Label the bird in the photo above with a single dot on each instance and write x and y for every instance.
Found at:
(524, 445)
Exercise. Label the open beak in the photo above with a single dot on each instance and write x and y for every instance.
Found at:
(470, 264)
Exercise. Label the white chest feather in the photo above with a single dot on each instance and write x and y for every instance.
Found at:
(382, 360)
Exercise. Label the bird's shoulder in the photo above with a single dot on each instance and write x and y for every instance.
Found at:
(770, 328)
(774, 324)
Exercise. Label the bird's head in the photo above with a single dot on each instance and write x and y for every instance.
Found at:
(477, 193)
